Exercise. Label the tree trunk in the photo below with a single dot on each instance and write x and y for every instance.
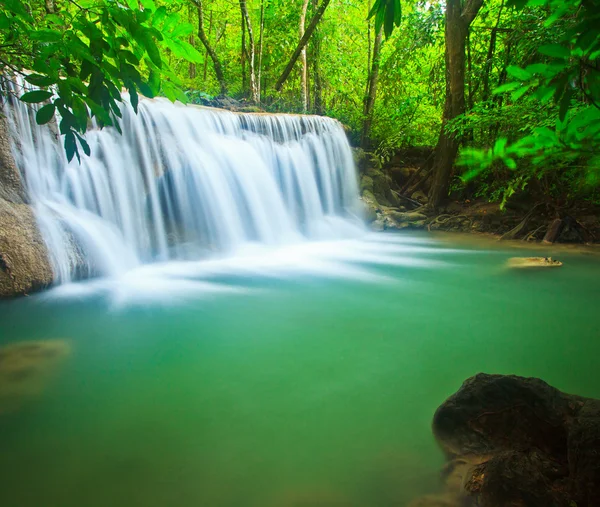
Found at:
(251, 58)
(303, 60)
(243, 55)
(303, 41)
(50, 6)
(260, 48)
(316, 59)
(490, 56)
(213, 55)
(553, 232)
(369, 102)
(206, 58)
(192, 66)
(457, 28)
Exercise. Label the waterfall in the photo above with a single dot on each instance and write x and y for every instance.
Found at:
(183, 183)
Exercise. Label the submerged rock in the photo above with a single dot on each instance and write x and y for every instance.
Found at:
(25, 370)
(24, 262)
(514, 441)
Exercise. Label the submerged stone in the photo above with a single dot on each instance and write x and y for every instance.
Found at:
(25, 370)
(533, 262)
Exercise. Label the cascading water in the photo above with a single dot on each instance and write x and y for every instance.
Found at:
(182, 182)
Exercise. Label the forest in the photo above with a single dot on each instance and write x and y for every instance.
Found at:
(507, 91)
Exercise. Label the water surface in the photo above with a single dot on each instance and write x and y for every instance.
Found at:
(305, 378)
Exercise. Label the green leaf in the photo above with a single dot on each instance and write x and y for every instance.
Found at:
(518, 72)
(508, 87)
(151, 49)
(45, 114)
(46, 35)
(499, 146)
(71, 146)
(565, 104)
(149, 4)
(36, 96)
(517, 94)
(510, 163)
(555, 50)
(84, 145)
(40, 80)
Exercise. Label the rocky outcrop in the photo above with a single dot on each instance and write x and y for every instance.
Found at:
(24, 262)
(514, 441)
(11, 188)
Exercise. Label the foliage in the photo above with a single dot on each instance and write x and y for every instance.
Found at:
(565, 80)
(387, 13)
(84, 55)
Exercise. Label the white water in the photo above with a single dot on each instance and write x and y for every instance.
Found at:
(185, 183)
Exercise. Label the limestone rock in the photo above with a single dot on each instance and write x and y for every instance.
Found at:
(24, 263)
(11, 188)
(533, 262)
(25, 370)
(420, 196)
(366, 183)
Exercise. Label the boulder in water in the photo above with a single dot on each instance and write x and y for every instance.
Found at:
(25, 370)
(514, 441)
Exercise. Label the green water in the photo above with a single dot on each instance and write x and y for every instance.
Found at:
(303, 391)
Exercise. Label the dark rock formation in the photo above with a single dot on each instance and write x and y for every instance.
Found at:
(514, 441)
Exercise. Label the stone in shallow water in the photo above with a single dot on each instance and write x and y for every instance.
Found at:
(25, 370)
(533, 262)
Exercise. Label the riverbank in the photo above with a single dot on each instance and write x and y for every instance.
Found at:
(395, 197)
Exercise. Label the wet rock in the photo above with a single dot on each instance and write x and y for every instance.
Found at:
(420, 196)
(366, 184)
(514, 441)
(491, 413)
(24, 262)
(11, 187)
(533, 262)
(410, 216)
(25, 370)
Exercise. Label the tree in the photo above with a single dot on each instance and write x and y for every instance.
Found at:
(209, 49)
(252, 56)
(458, 21)
(371, 92)
(566, 73)
(303, 60)
(303, 41)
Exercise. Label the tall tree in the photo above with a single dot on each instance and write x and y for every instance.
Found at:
(303, 41)
(209, 49)
(458, 21)
(303, 60)
(316, 66)
(371, 92)
(260, 47)
(252, 52)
